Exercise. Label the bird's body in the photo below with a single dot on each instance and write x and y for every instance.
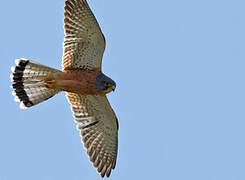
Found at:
(81, 77)
(76, 80)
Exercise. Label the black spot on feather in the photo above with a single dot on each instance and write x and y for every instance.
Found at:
(92, 124)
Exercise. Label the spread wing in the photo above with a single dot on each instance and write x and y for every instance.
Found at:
(84, 43)
(98, 125)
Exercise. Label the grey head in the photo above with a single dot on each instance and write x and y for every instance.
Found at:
(104, 83)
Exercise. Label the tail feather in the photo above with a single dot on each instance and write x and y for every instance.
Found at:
(29, 84)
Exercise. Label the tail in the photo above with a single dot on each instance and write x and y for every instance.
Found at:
(29, 84)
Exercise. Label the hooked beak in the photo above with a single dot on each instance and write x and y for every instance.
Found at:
(113, 88)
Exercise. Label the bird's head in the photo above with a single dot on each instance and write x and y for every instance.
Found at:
(104, 84)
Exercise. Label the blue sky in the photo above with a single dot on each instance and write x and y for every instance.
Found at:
(180, 97)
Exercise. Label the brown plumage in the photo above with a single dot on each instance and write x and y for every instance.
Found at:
(79, 81)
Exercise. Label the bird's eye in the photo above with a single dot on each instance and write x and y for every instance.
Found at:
(106, 84)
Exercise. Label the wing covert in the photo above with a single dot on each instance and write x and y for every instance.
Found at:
(84, 41)
(98, 125)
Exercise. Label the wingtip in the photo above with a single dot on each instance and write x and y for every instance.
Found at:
(108, 171)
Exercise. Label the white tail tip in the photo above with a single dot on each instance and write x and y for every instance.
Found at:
(13, 69)
(22, 106)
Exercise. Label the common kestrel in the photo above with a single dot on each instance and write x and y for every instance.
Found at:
(82, 79)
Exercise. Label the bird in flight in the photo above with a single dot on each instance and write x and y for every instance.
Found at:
(82, 80)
